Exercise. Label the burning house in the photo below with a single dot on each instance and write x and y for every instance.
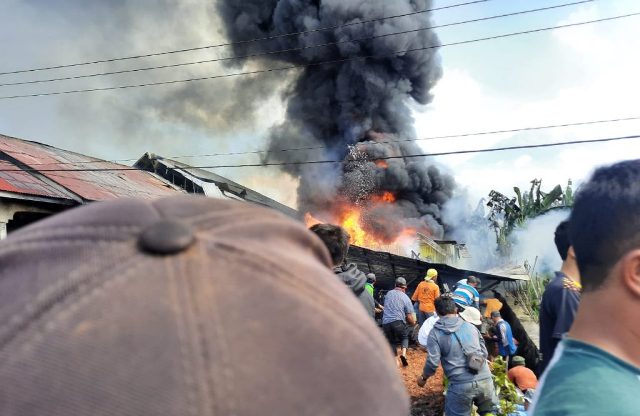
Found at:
(441, 251)
(37, 180)
(370, 255)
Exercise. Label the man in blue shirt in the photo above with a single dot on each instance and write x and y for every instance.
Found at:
(504, 337)
(560, 299)
(398, 318)
(466, 294)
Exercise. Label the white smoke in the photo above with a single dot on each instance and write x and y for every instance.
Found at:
(467, 223)
(535, 241)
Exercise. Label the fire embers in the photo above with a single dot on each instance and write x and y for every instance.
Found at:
(384, 198)
(393, 195)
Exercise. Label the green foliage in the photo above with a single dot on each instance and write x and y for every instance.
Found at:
(529, 293)
(509, 213)
(505, 389)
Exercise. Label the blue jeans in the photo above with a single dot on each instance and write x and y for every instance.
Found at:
(461, 397)
(423, 316)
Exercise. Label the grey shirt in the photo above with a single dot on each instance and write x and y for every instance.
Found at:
(442, 346)
(356, 280)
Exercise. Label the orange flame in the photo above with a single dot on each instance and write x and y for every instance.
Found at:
(382, 164)
(386, 197)
(350, 217)
(350, 221)
(310, 220)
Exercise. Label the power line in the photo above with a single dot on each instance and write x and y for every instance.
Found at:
(335, 61)
(315, 162)
(282, 51)
(264, 151)
(449, 136)
(266, 38)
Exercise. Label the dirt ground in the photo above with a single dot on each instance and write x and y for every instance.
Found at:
(427, 400)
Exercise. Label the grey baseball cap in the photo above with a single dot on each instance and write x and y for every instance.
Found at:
(401, 282)
(181, 306)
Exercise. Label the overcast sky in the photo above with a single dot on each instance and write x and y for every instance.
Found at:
(562, 76)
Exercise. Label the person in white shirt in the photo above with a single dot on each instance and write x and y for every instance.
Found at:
(426, 327)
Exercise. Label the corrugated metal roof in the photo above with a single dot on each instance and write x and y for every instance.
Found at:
(512, 271)
(25, 183)
(88, 185)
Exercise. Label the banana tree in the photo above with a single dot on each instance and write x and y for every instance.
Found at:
(508, 213)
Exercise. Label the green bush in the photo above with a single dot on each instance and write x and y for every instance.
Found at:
(505, 389)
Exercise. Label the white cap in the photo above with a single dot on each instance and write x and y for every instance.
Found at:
(471, 315)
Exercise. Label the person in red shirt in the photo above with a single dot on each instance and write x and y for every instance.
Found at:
(426, 293)
(521, 376)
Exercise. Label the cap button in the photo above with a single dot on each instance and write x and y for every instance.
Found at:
(166, 237)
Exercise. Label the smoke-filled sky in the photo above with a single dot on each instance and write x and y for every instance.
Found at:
(568, 75)
(361, 103)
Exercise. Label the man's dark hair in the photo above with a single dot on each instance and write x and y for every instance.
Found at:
(473, 279)
(445, 306)
(605, 222)
(561, 238)
(335, 238)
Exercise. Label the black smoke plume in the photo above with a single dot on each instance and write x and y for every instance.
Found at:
(350, 107)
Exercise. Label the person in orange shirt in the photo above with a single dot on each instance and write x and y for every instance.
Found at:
(521, 376)
(426, 293)
(493, 305)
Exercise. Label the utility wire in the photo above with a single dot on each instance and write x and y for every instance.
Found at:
(315, 162)
(334, 61)
(264, 151)
(266, 38)
(302, 48)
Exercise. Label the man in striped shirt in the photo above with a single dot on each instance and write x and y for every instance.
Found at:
(467, 294)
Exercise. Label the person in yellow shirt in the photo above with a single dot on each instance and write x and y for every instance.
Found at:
(426, 293)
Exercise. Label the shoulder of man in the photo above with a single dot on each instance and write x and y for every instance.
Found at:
(555, 286)
(467, 330)
(578, 394)
(571, 286)
(582, 381)
(405, 297)
(468, 288)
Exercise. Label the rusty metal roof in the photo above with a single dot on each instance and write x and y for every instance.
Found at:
(67, 182)
(24, 183)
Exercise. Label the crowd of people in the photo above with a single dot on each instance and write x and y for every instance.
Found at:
(589, 361)
(119, 308)
(450, 328)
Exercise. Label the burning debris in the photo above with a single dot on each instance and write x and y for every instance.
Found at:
(357, 111)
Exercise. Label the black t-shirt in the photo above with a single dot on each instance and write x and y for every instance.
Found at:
(558, 308)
